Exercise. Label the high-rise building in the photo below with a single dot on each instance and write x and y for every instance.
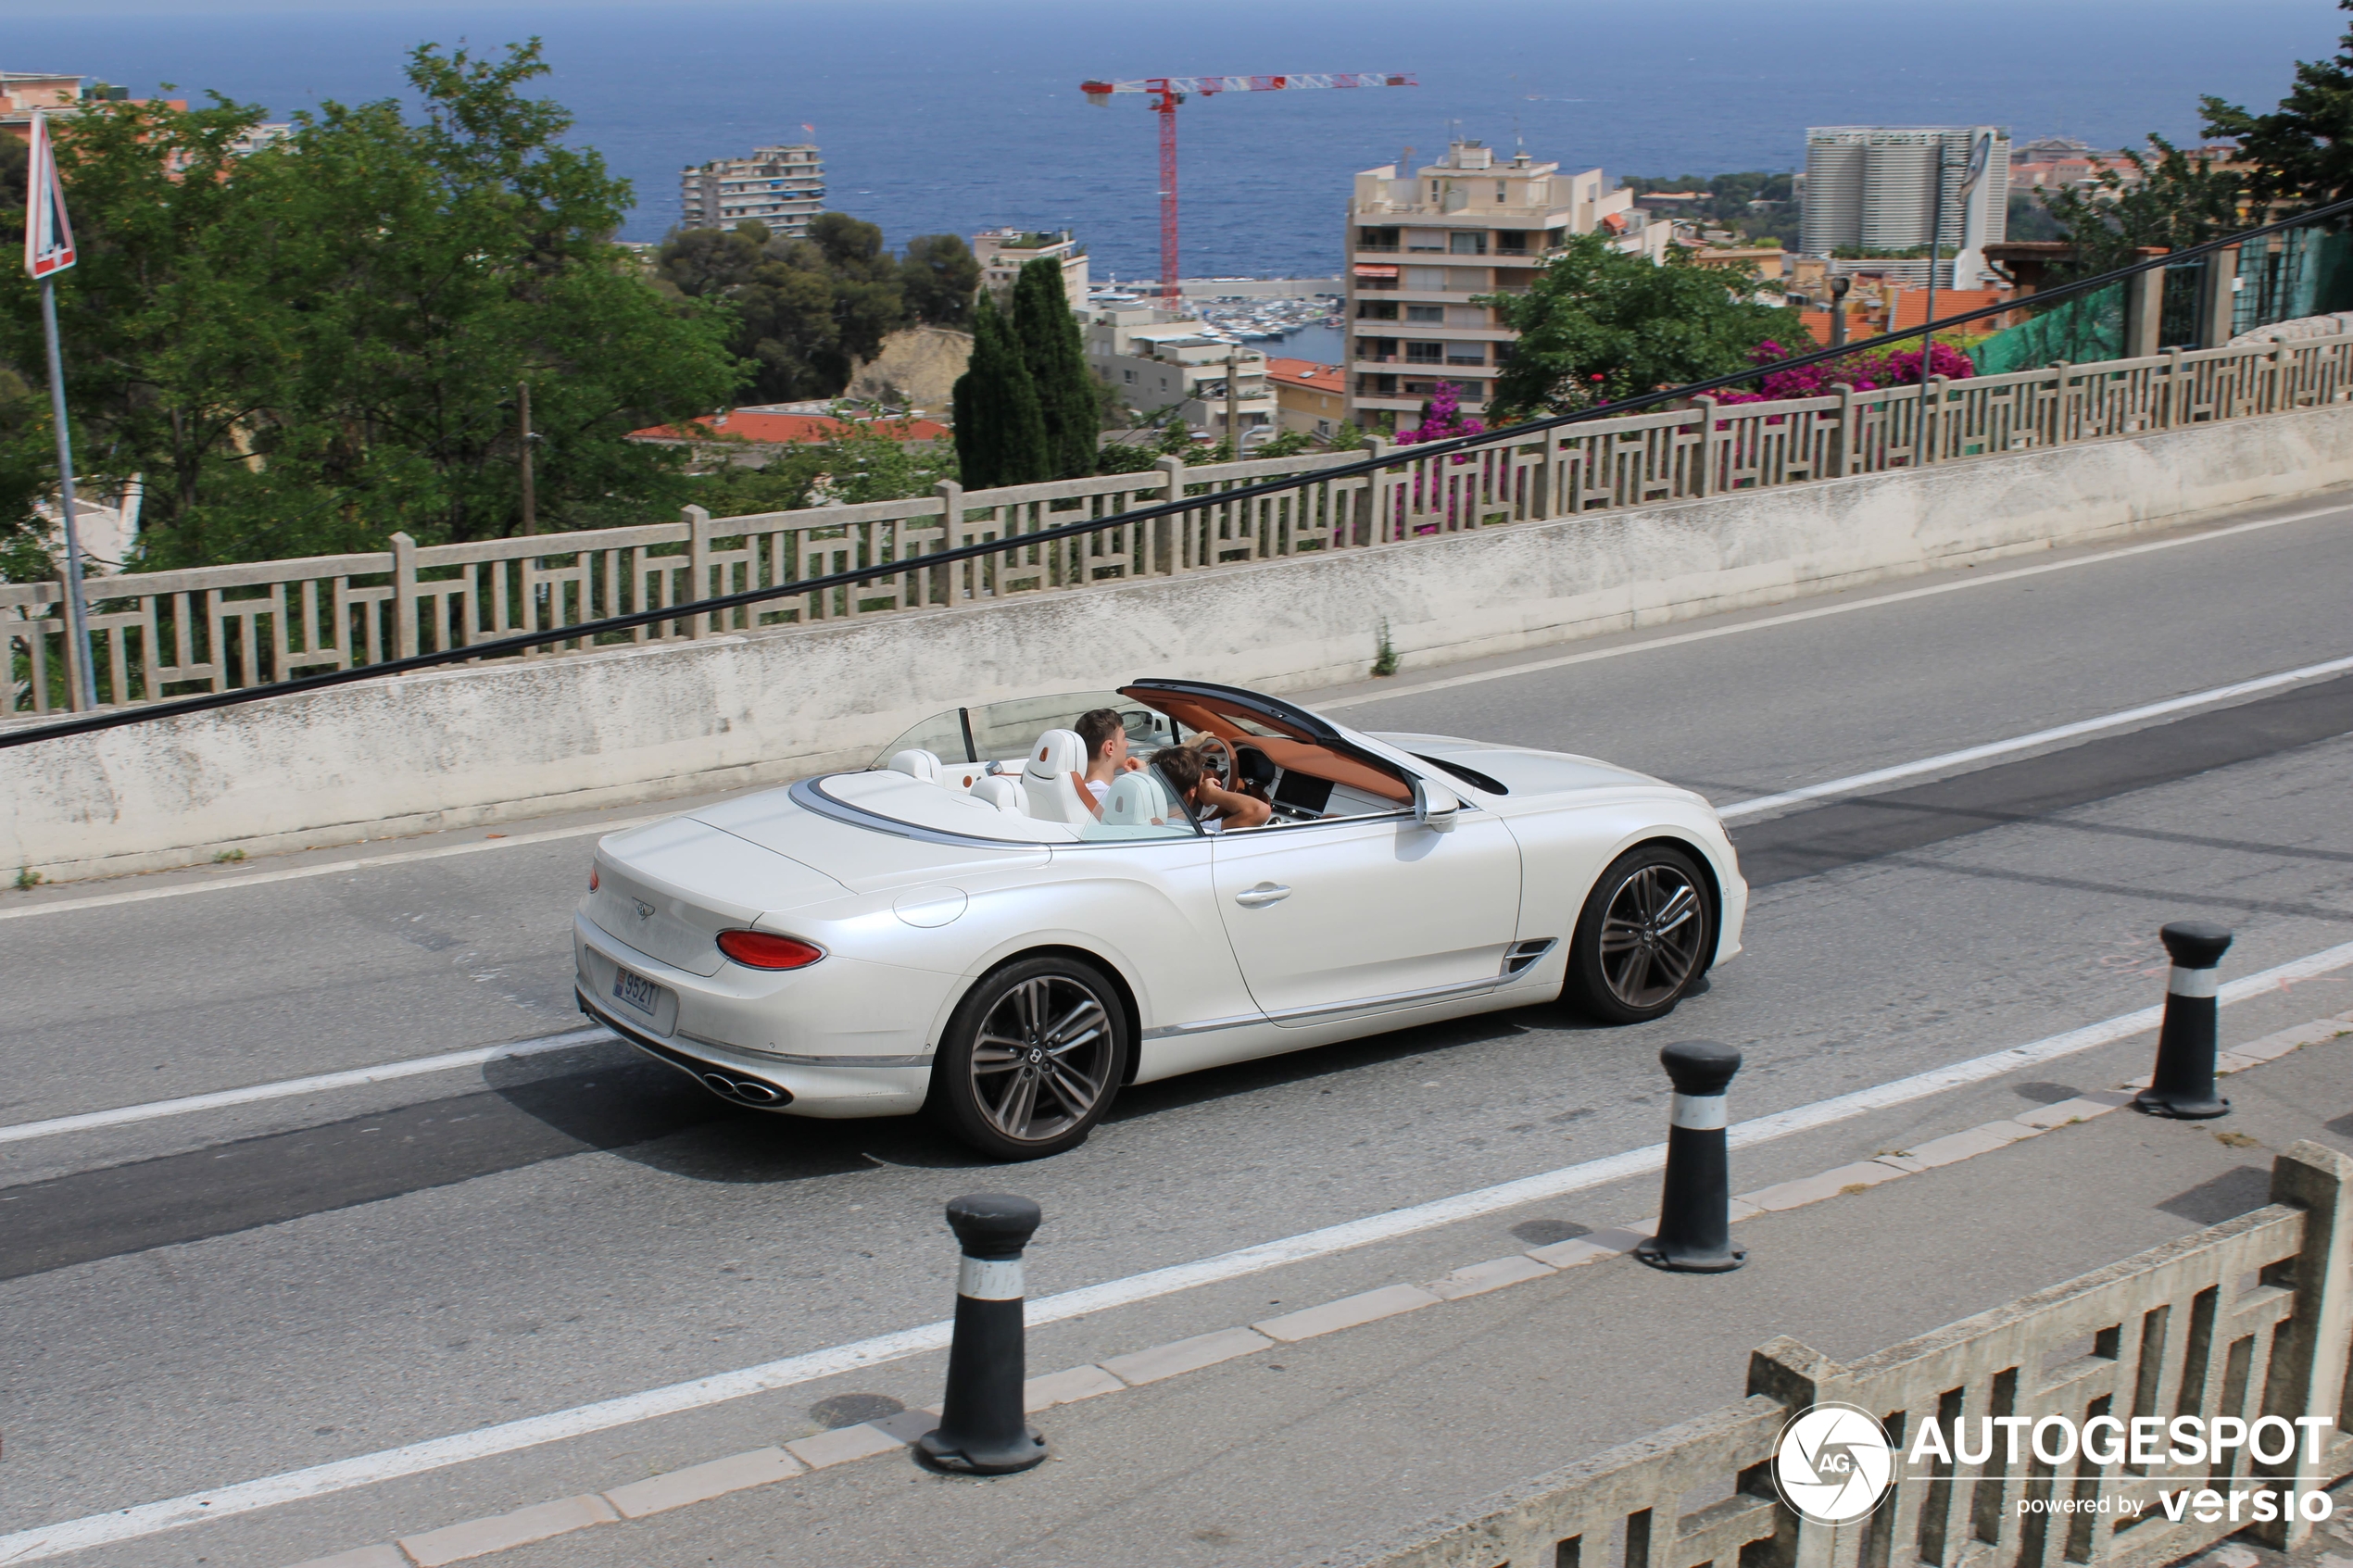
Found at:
(1873, 190)
(1423, 246)
(783, 187)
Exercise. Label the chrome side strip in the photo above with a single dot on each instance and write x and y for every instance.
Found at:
(1330, 1010)
(1395, 999)
(1170, 1030)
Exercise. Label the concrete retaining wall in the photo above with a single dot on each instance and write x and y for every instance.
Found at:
(463, 746)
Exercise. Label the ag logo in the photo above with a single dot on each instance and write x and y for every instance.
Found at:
(1834, 1463)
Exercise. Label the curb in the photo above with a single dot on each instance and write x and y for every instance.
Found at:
(895, 1433)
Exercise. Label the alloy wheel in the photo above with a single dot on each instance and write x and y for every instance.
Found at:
(1042, 1059)
(1651, 935)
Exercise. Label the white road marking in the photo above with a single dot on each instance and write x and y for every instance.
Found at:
(1677, 639)
(326, 868)
(155, 1111)
(1847, 785)
(364, 1470)
(1562, 661)
(1854, 782)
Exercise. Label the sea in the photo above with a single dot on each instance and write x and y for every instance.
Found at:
(943, 116)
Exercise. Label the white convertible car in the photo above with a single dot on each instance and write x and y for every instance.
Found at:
(962, 928)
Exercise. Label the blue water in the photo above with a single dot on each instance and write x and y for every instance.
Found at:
(937, 116)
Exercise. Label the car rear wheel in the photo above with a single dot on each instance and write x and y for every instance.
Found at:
(1031, 1059)
(1645, 937)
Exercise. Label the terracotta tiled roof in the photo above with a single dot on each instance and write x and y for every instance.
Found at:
(1911, 305)
(1307, 374)
(784, 429)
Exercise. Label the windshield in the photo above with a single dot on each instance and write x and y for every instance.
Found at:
(1002, 731)
(1021, 770)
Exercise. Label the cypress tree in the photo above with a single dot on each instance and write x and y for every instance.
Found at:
(1053, 349)
(1000, 437)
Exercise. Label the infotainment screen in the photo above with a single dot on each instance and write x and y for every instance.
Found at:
(1302, 791)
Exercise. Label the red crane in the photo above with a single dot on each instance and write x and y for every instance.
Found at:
(1167, 92)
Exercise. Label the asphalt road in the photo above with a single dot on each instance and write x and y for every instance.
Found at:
(211, 1297)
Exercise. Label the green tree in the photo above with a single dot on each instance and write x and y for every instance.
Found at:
(1000, 434)
(1599, 324)
(305, 348)
(937, 277)
(2170, 200)
(1056, 357)
(805, 310)
(2301, 153)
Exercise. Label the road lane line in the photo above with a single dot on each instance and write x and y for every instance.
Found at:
(155, 1111)
(1847, 785)
(1359, 701)
(295, 873)
(1791, 617)
(196, 1507)
(1854, 782)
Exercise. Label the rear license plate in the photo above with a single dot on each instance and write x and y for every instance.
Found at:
(635, 990)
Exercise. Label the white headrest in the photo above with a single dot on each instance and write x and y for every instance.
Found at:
(1056, 754)
(1136, 800)
(1005, 794)
(916, 764)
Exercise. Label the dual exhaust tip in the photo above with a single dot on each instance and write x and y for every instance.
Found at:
(744, 1091)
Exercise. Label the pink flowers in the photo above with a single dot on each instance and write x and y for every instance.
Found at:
(1442, 420)
(1864, 372)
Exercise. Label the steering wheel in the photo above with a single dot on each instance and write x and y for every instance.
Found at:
(1217, 760)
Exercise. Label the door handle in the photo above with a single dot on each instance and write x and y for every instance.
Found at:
(1258, 897)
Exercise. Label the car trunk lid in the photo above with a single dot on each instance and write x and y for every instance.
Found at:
(669, 888)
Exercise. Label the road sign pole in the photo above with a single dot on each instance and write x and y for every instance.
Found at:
(85, 682)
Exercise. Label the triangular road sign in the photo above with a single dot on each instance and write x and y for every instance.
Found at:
(48, 237)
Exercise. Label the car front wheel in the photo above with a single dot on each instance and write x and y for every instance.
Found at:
(1644, 939)
(1031, 1059)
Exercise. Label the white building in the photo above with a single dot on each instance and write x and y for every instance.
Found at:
(1002, 252)
(1154, 359)
(1422, 248)
(1875, 187)
(783, 187)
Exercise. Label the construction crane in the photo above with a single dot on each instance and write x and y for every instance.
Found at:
(1167, 92)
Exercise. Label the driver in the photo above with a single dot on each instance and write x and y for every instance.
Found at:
(1218, 807)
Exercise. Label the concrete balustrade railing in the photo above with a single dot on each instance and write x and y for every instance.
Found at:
(175, 634)
(2249, 1318)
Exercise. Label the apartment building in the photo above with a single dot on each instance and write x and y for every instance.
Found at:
(1153, 357)
(783, 187)
(1423, 246)
(1877, 188)
(1002, 252)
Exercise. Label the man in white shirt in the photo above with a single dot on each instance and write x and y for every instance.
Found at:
(1106, 740)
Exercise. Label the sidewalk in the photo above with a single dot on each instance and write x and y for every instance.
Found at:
(1291, 1450)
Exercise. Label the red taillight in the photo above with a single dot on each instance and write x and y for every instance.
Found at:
(760, 950)
(592, 878)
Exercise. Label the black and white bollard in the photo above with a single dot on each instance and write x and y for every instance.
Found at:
(983, 1430)
(2184, 1083)
(1695, 1209)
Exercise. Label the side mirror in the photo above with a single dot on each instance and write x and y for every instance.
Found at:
(1434, 805)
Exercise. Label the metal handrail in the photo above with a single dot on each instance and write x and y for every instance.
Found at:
(1176, 506)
